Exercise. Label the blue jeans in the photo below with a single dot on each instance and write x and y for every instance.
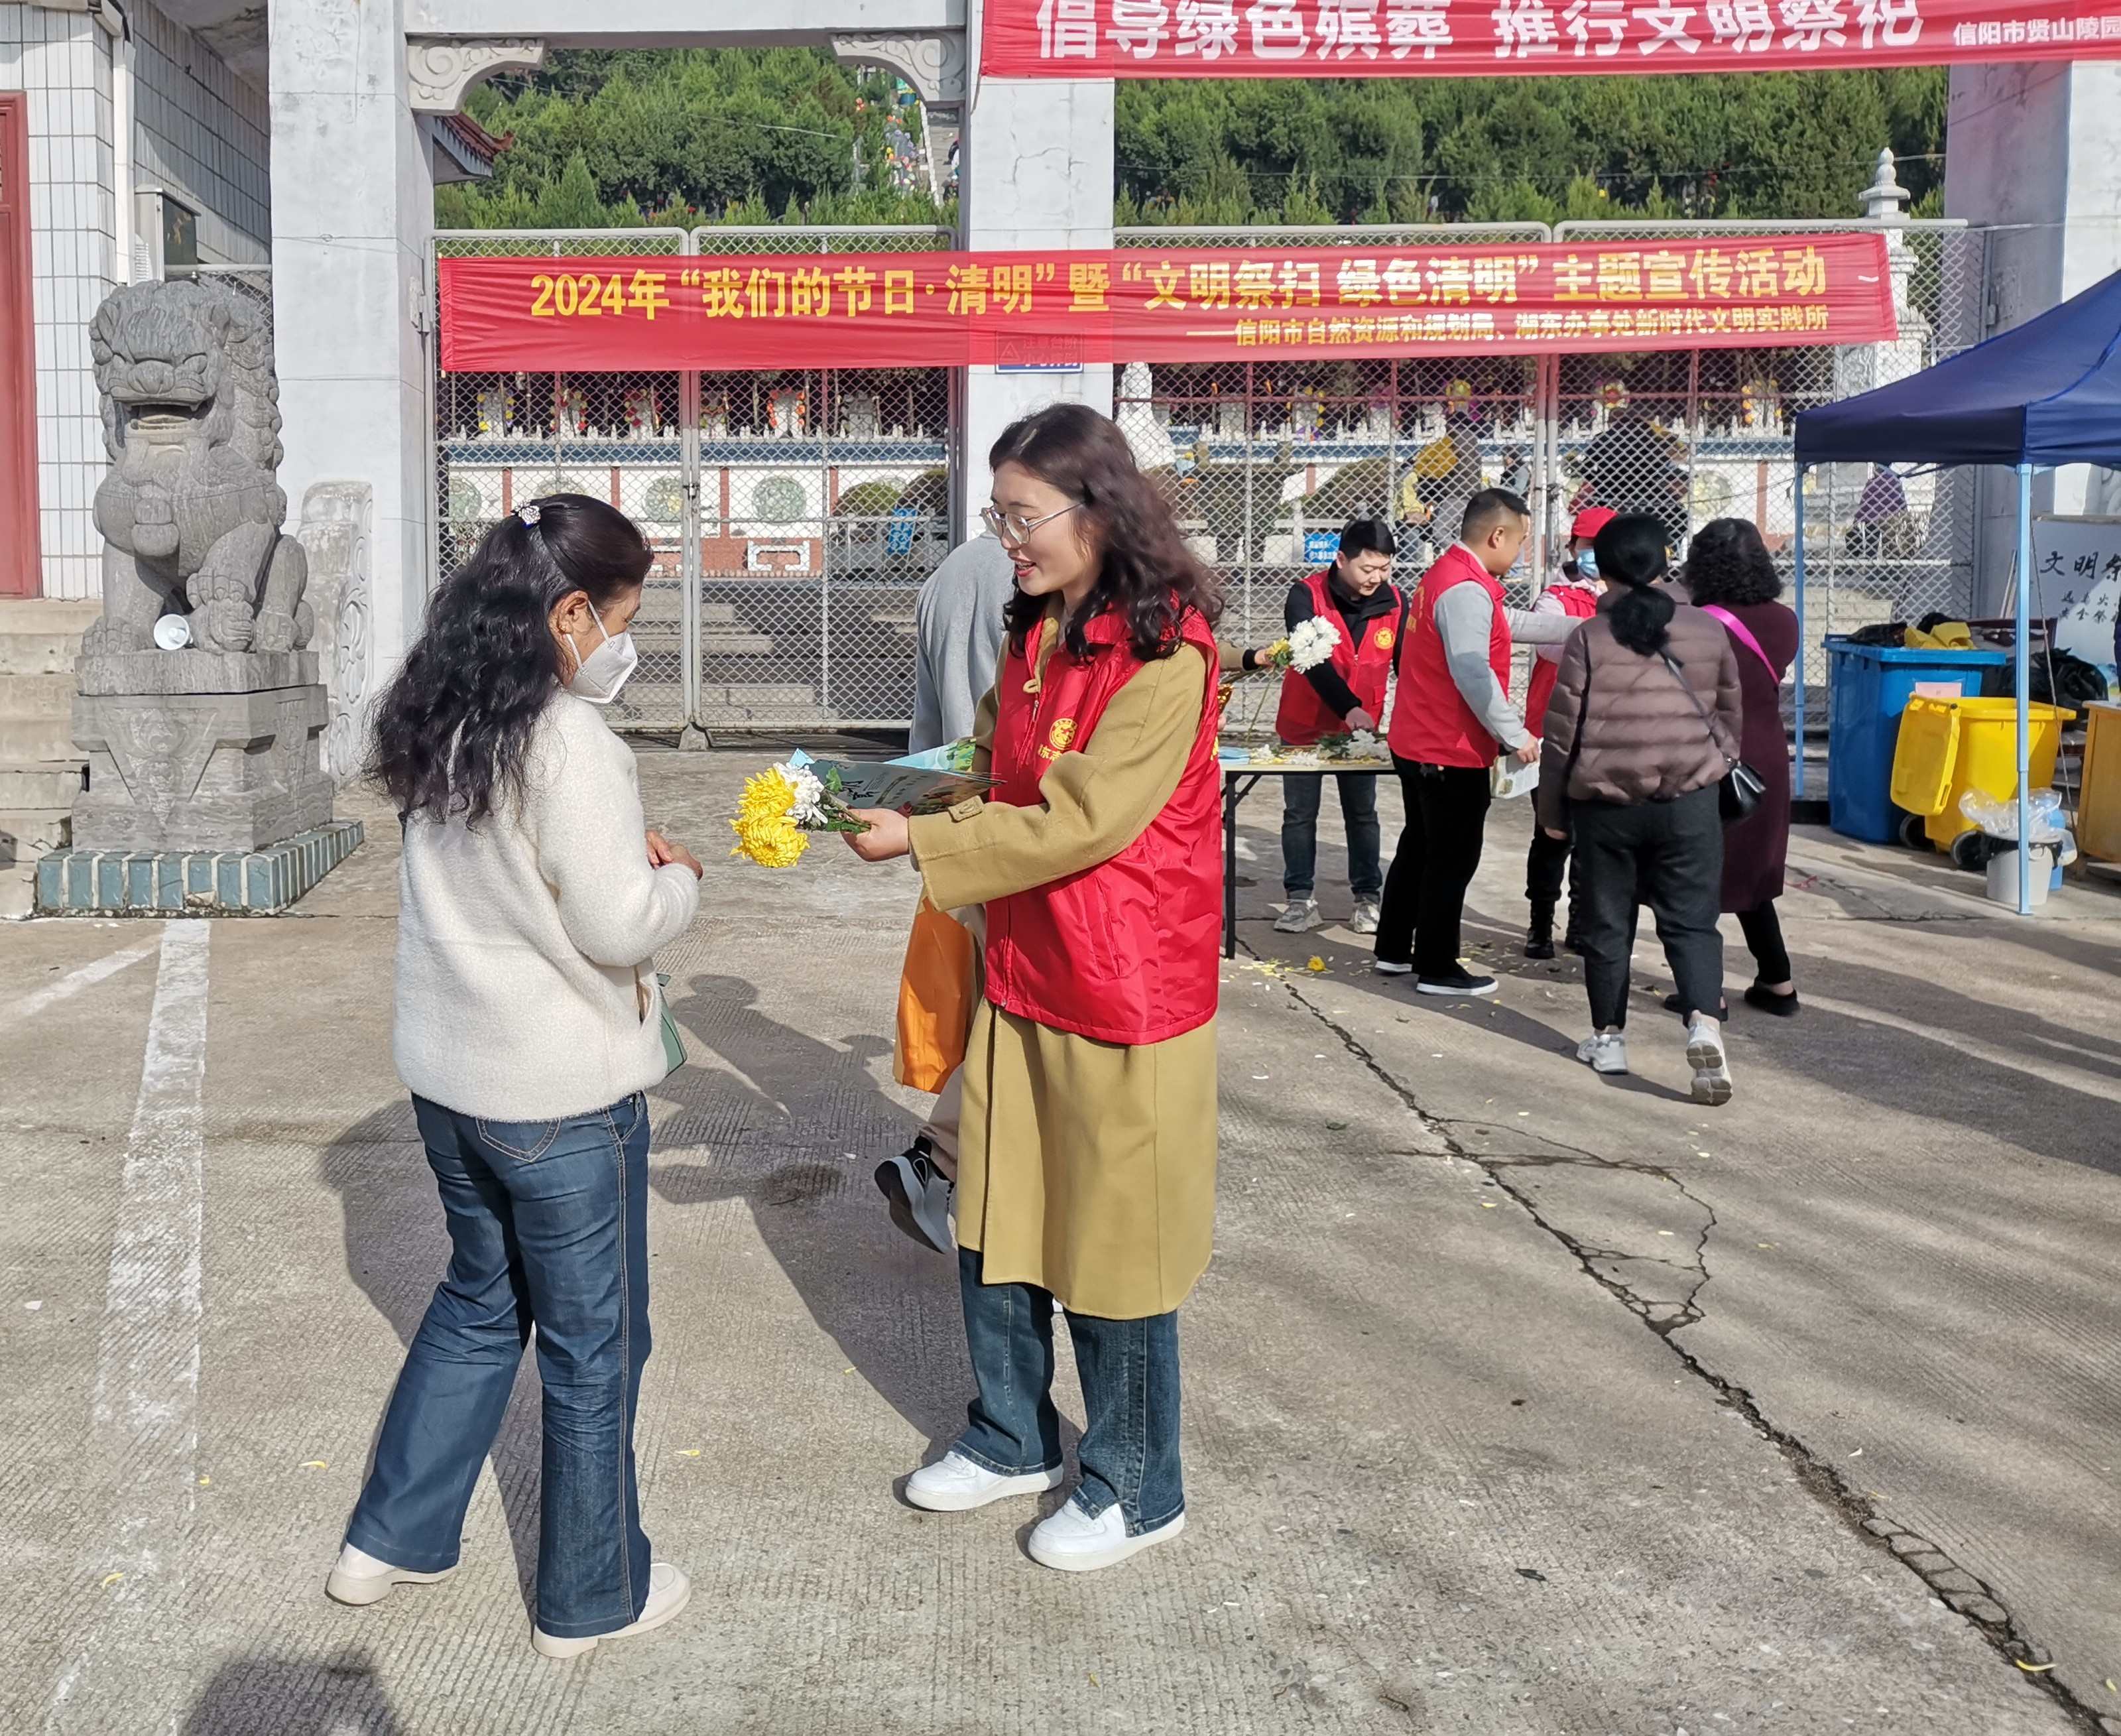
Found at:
(1301, 793)
(1130, 1373)
(548, 1226)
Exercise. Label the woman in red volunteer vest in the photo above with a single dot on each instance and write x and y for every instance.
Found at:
(1354, 595)
(1087, 1148)
(1575, 595)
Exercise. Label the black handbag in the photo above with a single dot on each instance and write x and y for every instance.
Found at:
(1742, 789)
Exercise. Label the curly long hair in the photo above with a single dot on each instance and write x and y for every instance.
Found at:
(1146, 572)
(1727, 563)
(451, 733)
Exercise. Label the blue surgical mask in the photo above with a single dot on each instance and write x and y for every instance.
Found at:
(1587, 563)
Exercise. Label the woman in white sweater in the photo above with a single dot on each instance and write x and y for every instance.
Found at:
(532, 899)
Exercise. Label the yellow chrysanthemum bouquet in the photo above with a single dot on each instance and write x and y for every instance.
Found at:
(782, 806)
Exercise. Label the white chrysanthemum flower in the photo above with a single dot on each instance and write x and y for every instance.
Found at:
(1311, 643)
(807, 810)
(1363, 744)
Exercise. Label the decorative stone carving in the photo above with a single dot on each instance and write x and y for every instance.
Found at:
(336, 532)
(440, 69)
(212, 746)
(190, 513)
(934, 63)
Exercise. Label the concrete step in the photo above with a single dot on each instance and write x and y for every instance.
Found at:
(38, 654)
(46, 786)
(48, 740)
(735, 645)
(26, 833)
(36, 696)
(47, 614)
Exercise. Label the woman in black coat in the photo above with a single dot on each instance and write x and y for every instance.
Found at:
(1730, 575)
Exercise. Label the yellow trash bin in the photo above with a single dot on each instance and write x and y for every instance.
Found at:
(1949, 746)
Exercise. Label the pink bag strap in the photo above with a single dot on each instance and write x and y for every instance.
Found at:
(1745, 638)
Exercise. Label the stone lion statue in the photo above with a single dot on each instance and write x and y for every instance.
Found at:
(191, 510)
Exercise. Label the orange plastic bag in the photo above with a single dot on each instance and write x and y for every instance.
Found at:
(934, 1001)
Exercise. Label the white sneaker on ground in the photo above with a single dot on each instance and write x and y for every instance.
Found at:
(1711, 1068)
(954, 1484)
(669, 1592)
(1391, 968)
(358, 1577)
(1604, 1052)
(1298, 919)
(1070, 1540)
(1365, 921)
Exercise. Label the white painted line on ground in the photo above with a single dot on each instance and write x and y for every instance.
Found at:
(143, 1433)
(75, 981)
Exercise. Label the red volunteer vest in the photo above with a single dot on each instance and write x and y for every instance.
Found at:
(1580, 602)
(1304, 719)
(1127, 951)
(1432, 725)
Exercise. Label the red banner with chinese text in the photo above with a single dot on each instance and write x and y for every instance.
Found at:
(1457, 38)
(1036, 310)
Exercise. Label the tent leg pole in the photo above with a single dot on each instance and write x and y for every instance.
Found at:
(2024, 672)
(1799, 475)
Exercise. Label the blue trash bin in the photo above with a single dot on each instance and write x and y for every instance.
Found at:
(1868, 686)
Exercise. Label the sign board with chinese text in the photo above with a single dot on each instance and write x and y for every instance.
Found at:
(2076, 581)
(960, 309)
(1458, 38)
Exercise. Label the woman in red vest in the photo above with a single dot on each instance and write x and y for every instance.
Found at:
(1087, 1147)
(1356, 596)
(1575, 595)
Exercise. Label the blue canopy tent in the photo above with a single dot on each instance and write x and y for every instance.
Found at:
(2043, 393)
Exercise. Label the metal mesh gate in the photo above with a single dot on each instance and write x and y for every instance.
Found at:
(1266, 459)
(794, 514)
(1697, 435)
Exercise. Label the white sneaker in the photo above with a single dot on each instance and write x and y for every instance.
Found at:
(358, 1577)
(1365, 921)
(1391, 968)
(669, 1592)
(1298, 919)
(954, 1484)
(1711, 1068)
(1604, 1052)
(1070, 1540)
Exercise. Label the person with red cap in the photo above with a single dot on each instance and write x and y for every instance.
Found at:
(1575, 594)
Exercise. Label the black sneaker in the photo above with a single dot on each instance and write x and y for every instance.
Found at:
(1460, 983)
(918, 1194)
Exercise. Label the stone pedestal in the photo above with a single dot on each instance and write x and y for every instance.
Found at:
(196, 750)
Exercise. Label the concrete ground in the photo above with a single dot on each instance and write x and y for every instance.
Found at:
(1517, 1402)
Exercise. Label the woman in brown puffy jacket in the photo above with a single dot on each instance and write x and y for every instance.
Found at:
(1645, 720)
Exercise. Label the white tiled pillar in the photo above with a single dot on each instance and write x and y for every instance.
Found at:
(1035, 174)
(62, 61)
(352, 205)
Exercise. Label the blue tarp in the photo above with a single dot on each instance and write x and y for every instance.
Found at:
(2047, 392)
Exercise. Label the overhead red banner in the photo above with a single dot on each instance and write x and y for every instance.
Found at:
(1048, 310)
(1458, 38)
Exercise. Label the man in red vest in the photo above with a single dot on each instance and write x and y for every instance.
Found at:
(1355, 595)
(1450, 720)
(1574, 596)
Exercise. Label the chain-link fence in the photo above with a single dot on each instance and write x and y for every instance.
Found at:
(1267, 459)
(794, 513)
(1697, 435)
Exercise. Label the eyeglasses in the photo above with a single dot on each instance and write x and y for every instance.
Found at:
(1014, 527)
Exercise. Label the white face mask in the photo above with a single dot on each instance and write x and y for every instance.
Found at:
(598, 676)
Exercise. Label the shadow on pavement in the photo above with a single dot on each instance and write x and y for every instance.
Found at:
(262, 1695)
(780, 1116)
